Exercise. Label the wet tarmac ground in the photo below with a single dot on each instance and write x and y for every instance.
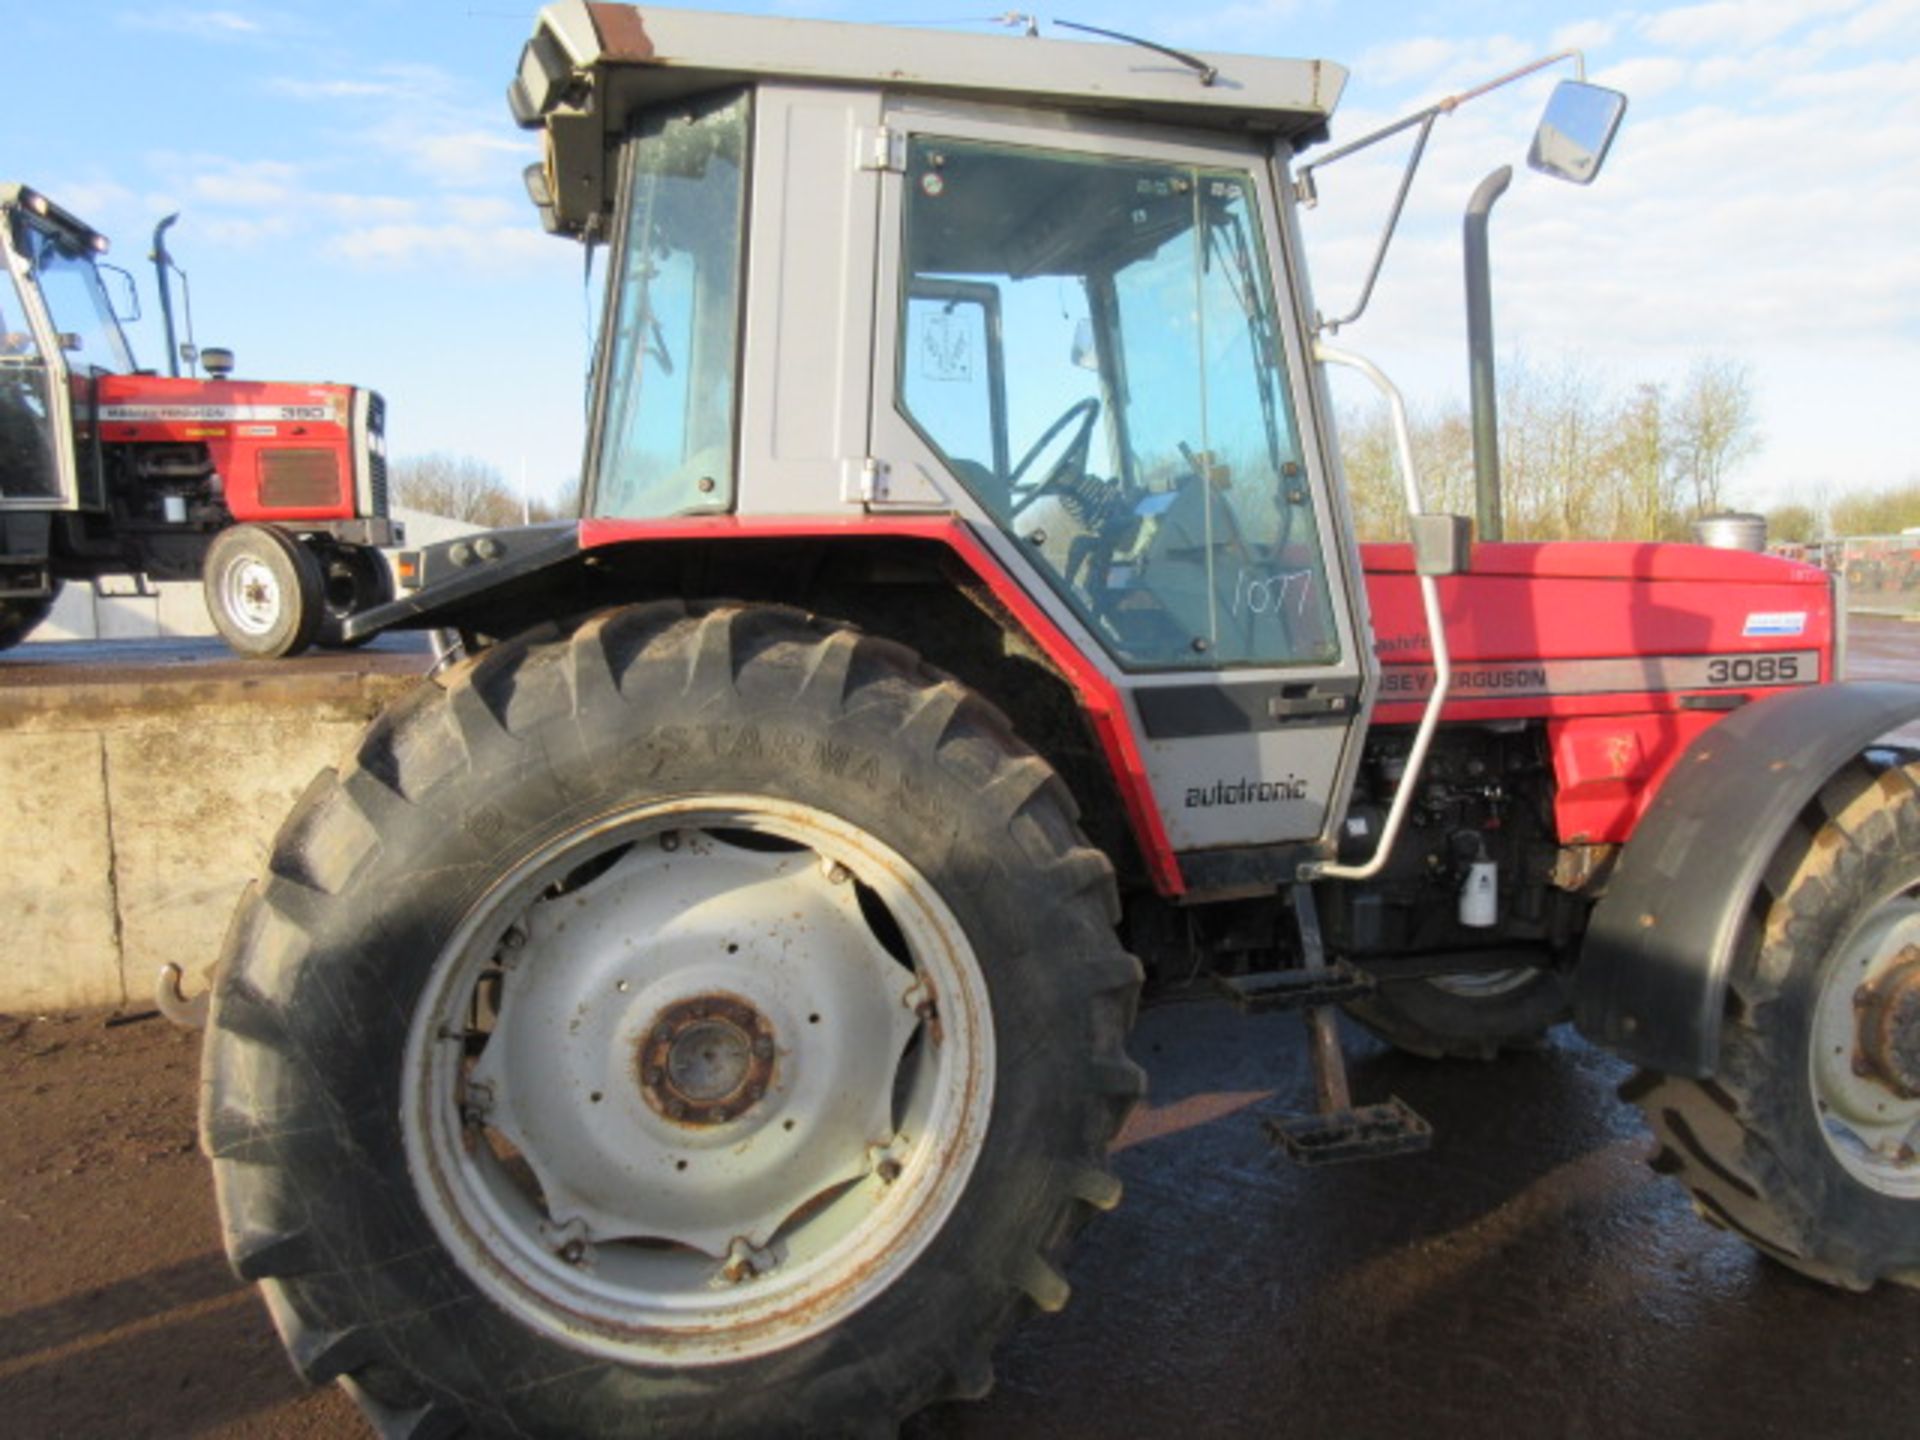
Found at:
(1528, 1276)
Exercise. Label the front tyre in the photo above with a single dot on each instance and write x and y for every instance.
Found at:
(264, 591)
(1470, 1016)
(1804, 1141)
(705, 1023)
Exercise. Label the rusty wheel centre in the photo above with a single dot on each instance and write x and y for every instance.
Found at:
(706, 1059)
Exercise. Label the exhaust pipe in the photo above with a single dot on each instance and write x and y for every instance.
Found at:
(1480, 378)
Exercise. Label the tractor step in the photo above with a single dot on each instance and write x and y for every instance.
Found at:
(1297, 989)
(1370, 1132)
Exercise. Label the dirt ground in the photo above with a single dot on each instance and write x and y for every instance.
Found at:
(118, 1315)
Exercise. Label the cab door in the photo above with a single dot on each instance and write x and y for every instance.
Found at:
(1083, 339)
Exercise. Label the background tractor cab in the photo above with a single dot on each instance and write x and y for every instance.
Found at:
(273, 494)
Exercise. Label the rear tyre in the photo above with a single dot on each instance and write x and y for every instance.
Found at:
(353, 578)
(18, 617)
(1804, 1141)
(708, 1023)
(1467, 1016)
(263, 591)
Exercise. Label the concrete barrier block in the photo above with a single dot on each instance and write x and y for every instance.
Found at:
(195, 810)
(56, 887)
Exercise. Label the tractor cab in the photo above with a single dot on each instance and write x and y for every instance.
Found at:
(58, 329)
(1048, 290)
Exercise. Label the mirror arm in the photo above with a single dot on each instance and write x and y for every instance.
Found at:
(1308, 194)
(1425, 121)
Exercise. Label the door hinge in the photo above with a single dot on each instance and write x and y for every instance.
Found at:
(864, 482)
(881, 147)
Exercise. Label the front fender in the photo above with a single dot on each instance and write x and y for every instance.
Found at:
(1653, 971)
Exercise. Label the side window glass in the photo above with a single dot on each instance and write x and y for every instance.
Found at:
(672, 342)
(1092, 345)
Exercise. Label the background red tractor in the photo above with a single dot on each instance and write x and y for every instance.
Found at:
(273, 493)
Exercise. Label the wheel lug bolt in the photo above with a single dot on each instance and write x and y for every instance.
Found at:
(574, 1251)
(888, 1171)
(838, 874)
(670, 841)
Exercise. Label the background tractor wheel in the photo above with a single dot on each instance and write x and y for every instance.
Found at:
(18, 617)
(353, 578)
(1468, 1016)
(705, 1023)
(1804, 1141)
(263, 591)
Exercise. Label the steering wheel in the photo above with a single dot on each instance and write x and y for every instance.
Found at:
(1072, 463)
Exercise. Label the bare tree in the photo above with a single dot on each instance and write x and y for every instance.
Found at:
(1884, 512)
(1579, 460)
(1714, 429)
(456, 486)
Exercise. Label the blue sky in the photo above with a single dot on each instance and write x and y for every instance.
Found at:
(351, 204)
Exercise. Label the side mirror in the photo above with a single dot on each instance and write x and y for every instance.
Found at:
(1576, 131)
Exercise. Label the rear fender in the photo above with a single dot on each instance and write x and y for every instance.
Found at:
(1653, 971)
(537, 572)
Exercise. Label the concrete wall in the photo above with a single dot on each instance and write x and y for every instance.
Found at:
(136, 804)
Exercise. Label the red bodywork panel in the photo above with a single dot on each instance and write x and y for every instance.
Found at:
(1602, 641)
(306, 429)
(1613, 644)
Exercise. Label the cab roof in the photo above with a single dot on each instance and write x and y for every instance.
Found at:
(590, 67)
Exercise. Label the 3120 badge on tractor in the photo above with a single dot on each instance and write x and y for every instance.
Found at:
(274, 494)
(701, 1009)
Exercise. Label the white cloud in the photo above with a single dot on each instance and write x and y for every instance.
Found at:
(413, 85)
(1644, 78)
(1736, 23)
(1583, 35)
(196, 24)
(458, 157)
(496, 247)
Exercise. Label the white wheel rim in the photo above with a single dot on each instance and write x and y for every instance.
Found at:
(250, 592)
(712, 1114)
(1872, 1130)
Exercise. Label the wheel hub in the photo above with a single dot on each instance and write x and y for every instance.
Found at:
(1889, 1026)
(706, 1059)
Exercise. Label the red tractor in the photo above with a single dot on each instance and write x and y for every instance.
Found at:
(273, 493)
(701, 1009)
